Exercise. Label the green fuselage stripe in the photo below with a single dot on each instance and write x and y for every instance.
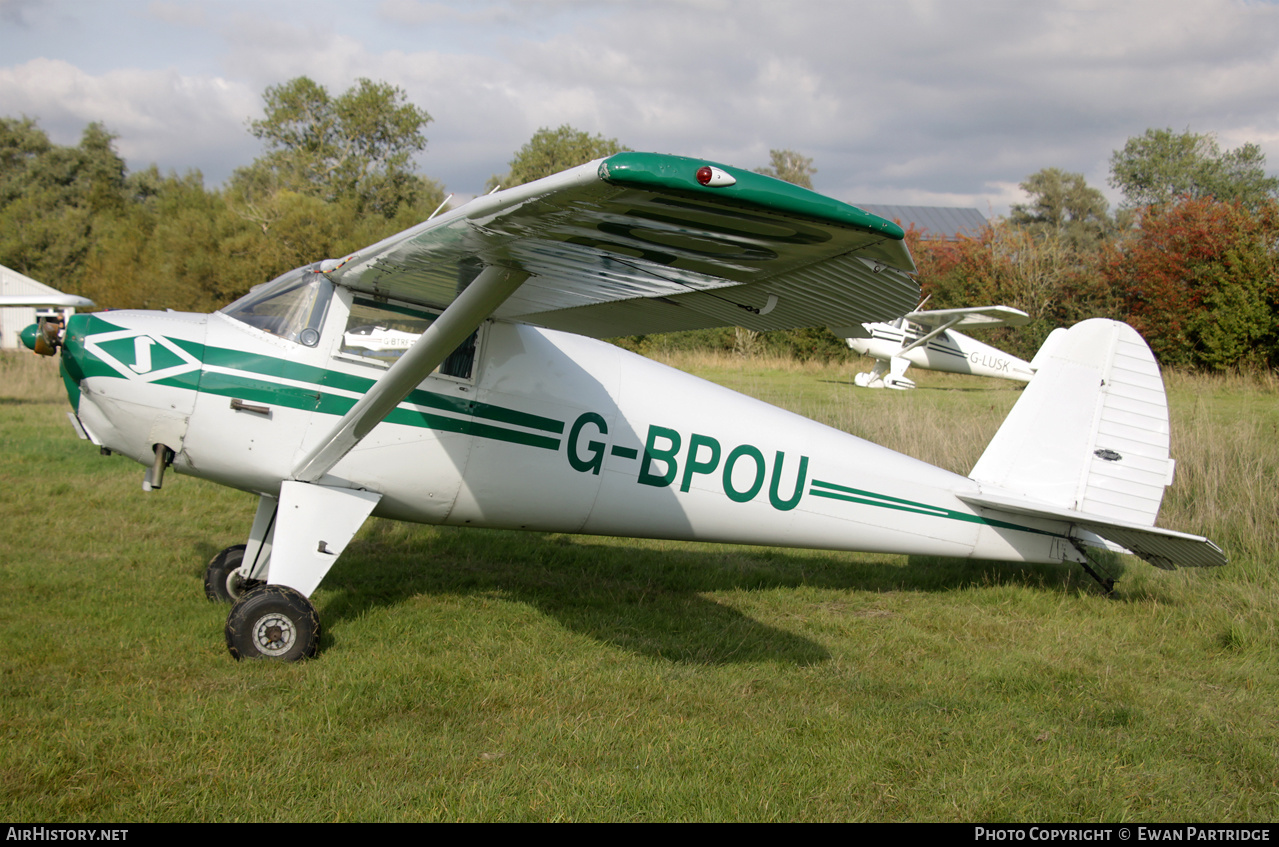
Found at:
(336, 380)
(833, 491)
(247, 388)
(314, 397)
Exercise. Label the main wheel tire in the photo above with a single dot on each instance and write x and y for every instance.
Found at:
(222, 580)
(273, 622)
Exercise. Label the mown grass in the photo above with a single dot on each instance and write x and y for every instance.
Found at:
(478, 675)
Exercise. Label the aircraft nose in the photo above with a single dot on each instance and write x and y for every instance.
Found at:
(72, 367)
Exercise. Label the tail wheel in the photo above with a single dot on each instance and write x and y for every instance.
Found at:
(223, 582)
(273, 622)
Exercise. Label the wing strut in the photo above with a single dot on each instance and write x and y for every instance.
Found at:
(475, 303)
(924, 339)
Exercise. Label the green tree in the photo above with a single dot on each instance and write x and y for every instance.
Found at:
(358, 145)
(789, 166)
(166, 248)
(52, 196)
(1064, 204)
(550, 151)
(1162, 166)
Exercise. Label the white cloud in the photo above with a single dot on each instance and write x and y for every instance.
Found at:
(894, 102)
(159, 117)
(182, 14)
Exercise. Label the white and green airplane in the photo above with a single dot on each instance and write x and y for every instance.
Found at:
(930, 340)
(506, 411)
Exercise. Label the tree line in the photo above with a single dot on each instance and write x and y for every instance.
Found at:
(1189, 258)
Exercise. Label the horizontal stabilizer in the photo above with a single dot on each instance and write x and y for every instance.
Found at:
(1162, 548)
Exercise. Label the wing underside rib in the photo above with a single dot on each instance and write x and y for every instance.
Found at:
(635, 245)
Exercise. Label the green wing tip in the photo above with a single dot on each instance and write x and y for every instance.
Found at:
(679, 173)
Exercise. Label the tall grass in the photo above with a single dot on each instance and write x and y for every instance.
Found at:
(28, 378)
(483, 675)
(1225, 432)
(946, 422)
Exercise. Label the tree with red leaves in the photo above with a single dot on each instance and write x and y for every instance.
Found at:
(1200, 280)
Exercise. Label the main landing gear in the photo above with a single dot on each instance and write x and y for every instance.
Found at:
(273, 622)
(296, 537)
(223, 581)
(266, 621)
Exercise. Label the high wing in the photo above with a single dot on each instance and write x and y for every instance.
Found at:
(937, 321)
(633, 244)
(982, 317)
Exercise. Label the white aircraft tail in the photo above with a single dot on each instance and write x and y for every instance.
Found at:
(1088, 443)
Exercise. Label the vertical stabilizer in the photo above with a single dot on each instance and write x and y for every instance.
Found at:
(1090, 432)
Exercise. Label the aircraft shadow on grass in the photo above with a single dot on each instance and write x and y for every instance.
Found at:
(650, 602)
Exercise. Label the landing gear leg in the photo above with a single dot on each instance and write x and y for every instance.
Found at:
(295, 539)
(1107, 583)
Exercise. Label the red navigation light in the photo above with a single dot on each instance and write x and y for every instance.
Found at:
(713, 177)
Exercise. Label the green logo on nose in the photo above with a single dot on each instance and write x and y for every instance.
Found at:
(138, 356)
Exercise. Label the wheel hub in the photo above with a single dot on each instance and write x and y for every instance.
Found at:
(235, 584)
(274, 634)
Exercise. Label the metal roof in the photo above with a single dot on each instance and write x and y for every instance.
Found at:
(12, 282)
(934, 223)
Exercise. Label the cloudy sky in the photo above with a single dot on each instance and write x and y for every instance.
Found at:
(945, 102)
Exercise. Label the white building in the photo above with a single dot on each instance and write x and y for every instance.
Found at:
(21, 298)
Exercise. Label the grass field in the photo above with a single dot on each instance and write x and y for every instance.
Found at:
(477, 675)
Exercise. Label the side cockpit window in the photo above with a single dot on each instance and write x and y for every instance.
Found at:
(380, 331)
(291, 306)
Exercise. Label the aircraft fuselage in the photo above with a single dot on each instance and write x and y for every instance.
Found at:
(951, 352)
(550, 431)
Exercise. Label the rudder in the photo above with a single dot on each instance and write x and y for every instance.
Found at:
(1090, 433)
